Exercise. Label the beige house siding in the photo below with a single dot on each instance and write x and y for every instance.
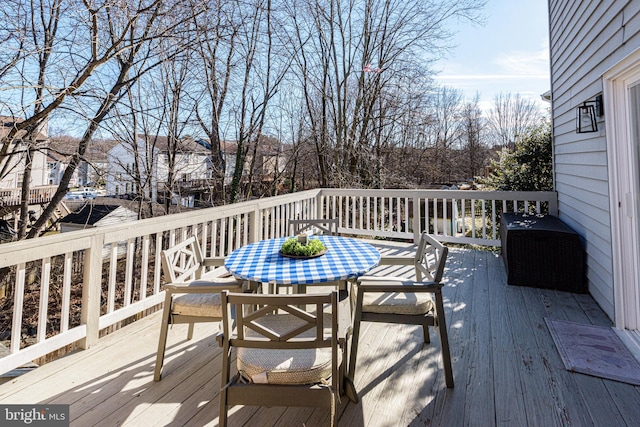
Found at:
(586, 40)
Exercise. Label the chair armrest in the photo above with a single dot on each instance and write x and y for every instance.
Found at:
(217, 261)
(218, 264)
(396, 260)
(203, 287)
(399, 286)
(367, 278)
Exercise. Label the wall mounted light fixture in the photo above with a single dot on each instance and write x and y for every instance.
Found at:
(586, 115)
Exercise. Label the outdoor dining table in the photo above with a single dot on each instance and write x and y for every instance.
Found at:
(345, 258)
(261, 262)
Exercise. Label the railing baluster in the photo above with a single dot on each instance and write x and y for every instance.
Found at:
(426, 215)
(463, 206)
(361, 213)
(204, 238)
(272, 222)
(44, 299)
(144, 273)
(157, 270)
(18, 298)
(384, 218)
(128, 285)
(375, 213)
(493, 219)
(484, 219)
(435, 216)
(399, 218)
(473, 218)
(223, 234)
(66, 292)
(113, 266)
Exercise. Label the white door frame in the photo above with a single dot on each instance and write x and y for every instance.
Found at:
(624, 187)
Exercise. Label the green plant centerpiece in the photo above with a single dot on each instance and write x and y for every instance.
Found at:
(295, 248)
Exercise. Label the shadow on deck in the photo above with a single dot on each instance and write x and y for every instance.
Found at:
(507, 370)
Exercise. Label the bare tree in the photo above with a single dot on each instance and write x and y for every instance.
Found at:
(157, 105)
(445, 127)
(511, 117)
(263, 71)
(471, 138)
(118, 39)
(219, 32)
(357, 62)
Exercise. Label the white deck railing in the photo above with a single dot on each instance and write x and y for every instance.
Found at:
(12, 196)
(113, 273)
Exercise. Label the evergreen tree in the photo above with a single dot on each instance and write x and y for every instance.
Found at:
(528, 167)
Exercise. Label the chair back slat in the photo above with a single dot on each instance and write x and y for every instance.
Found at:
(182, 262)
(280, 323)
(317, 226)
(430, 260)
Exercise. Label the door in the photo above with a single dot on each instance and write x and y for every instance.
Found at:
(632, 260)
(622, 112)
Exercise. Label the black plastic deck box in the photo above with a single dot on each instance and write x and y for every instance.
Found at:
(543, 252)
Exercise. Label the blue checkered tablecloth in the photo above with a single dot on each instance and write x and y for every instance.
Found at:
(260, 262)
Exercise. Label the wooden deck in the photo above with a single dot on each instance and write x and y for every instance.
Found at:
(507, 370)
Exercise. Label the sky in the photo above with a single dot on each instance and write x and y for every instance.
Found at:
(508, 53)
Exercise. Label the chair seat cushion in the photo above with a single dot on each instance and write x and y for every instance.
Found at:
(299, 366)
(397, 302)
(202, 305)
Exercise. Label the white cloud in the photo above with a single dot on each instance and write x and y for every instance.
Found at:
(524, 63)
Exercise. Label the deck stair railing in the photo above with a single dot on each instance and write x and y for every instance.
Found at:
(68, 289)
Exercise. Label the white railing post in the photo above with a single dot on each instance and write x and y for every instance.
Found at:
(319, 205)
(255, 218)
(92, 284)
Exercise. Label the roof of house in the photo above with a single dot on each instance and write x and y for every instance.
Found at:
(90, 214)
(7, 122)
(269, 146)
(61, 148)
(184, 144)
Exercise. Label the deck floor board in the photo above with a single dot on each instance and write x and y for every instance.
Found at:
(507, 370)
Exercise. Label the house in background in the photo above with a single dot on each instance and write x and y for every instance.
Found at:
(193, 179)
(58, 158)
(595, 86)
(151, 158)
(92, 169)
(16, 162)
(92, 215)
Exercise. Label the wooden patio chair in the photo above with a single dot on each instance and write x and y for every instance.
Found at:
(285, 355)
(389, 299)
(317, 226)
(192, 294)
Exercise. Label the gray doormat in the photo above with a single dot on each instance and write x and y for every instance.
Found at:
(594, 350)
